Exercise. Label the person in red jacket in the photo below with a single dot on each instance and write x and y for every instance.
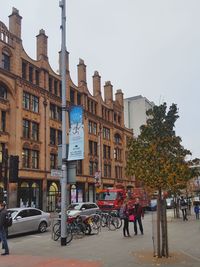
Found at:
(139, 214)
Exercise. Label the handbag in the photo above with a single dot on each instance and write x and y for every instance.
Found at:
(131, 218)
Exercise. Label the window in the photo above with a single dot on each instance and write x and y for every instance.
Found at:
(92, 127)
(79, 167)
(106, 133)
(35, 103)
(72, 98)
(50, 85)
(117, 138)
(6, 61)
(59, 137)
(118, 154)
(78, 99)
(30, 74)
(24, 66)
(106, 152)
(35, 159)
(56, 87)
(107, 170)
(3, 91)
(26, 129)
(59, 112)
(35, 131)
(52, 136)
(34, 212)
(26, 158)
(37, 77)
(53, 161)
(3, 121)
(118, 172)
(91, 168)
(95, 148)
(53, 111)
(26, 100)
(90, 147)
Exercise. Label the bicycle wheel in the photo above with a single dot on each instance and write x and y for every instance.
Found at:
(56, 235)
(118, 223)
(112, 223)
(56, 226)
(69, 235)
(104, 220)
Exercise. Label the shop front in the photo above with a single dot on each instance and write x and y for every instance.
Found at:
(53, 196)
(30, 193)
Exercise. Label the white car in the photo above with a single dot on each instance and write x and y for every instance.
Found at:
(28, 220)
(85, 208)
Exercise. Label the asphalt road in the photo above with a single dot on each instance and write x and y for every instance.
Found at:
(109, 248)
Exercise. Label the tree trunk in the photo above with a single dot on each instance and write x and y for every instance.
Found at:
(158, 223)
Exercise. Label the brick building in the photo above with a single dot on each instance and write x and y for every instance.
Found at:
(30, 124)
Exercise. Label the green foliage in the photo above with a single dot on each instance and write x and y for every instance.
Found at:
(157, 157)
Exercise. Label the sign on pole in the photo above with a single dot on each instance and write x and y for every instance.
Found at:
(56, 173)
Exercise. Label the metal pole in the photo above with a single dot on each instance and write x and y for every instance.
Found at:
(64, 163)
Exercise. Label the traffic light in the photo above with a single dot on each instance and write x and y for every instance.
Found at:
(13, 170)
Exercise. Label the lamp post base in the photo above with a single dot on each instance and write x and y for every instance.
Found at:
(63, 241)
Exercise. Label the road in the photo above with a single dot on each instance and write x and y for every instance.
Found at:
(108, 249)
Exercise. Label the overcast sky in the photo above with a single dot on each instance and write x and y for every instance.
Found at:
(147, 47)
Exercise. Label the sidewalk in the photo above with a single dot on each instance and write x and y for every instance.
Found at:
(109, 248)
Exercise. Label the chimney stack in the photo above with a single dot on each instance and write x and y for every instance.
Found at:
(96, 84)
(42, 45)
(119, 97)
(81, 72)
(15, 23)
(108, 92)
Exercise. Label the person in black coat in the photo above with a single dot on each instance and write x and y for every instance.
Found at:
(139, 214)
(3, 230)
(126, 219)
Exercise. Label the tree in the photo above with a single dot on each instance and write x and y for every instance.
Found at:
(158, 159)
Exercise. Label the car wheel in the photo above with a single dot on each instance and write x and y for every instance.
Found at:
(42, 227)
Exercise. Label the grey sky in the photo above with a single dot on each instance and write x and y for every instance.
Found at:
(147, 47)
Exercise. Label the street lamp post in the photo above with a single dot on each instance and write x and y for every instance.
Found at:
(64, 163)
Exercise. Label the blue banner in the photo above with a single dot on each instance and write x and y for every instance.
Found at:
(76, 133)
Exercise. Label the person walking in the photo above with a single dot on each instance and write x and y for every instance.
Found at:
(139, 214)
(124, 214)
(183, 206)
(3, 229)
(196, 211)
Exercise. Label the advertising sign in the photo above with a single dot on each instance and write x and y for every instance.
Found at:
(76, 134)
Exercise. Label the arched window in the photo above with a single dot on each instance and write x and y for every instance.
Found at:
(24, 184)
(3, 91)
(117, 138)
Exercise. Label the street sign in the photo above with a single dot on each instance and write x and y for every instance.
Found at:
(56, 173)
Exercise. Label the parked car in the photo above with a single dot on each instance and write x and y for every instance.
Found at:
(84, 208)
(153, 205)
(170, 203)
(28, 220)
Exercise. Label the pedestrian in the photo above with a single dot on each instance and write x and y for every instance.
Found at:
(196, 211)
(124, 214)
(139, 214)
(3, 228)
(183, 207)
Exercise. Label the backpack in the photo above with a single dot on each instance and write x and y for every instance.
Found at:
(8, 220)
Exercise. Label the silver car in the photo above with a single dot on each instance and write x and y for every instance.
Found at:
(28, 220)
(85, 208)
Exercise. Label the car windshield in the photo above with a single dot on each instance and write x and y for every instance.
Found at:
(108, 196)
(74, 207)
(13, 213)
